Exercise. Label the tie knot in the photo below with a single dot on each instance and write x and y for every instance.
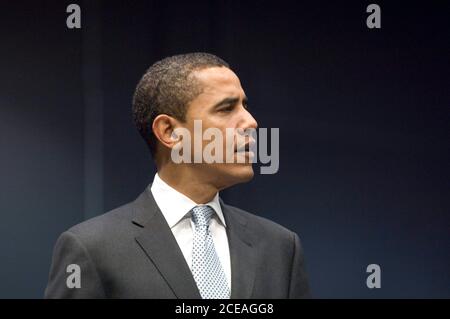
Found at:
(201, 215)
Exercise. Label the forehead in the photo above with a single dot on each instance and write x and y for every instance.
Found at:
(219, 80)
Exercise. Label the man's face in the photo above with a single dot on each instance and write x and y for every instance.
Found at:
(222, 104)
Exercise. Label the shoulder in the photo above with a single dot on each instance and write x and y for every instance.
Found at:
(103, 230)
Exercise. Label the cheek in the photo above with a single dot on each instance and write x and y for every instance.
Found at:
(226, 126)
(220, 123)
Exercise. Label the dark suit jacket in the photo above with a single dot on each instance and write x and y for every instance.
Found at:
(130, 252)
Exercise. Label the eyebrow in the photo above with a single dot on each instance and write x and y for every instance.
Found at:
(230, 101)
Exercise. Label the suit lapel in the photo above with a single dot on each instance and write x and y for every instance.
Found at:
(161, 247)
(242, 254)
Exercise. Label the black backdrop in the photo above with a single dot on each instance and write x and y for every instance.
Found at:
(363, 118)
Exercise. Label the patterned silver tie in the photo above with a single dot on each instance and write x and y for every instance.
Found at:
(206, 267)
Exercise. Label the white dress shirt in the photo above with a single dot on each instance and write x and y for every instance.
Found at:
(176, 207)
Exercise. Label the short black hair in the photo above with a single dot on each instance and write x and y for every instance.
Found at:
(167, 87)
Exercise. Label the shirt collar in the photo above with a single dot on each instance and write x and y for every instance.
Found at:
(175, 205)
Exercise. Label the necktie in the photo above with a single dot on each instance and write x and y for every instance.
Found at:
(206, 268)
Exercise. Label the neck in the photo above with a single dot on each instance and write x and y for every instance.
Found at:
(188, 182)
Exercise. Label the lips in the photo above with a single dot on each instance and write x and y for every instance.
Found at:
(245, 147)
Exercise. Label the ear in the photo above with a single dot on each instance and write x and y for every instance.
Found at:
(163, 128)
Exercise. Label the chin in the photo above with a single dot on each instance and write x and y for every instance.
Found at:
(227, 175)
(240, 174)
(247, 173)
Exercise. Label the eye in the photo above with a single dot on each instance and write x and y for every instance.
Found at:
(227, 109)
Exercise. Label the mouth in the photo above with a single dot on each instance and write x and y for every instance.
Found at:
(244, 148)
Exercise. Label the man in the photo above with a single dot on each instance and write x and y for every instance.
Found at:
(178, 239)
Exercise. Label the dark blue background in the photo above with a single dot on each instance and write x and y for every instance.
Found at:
(363, 118)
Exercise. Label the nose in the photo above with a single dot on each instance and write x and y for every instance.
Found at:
(249, 120)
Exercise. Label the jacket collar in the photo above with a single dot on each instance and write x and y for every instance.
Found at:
(161, 247)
